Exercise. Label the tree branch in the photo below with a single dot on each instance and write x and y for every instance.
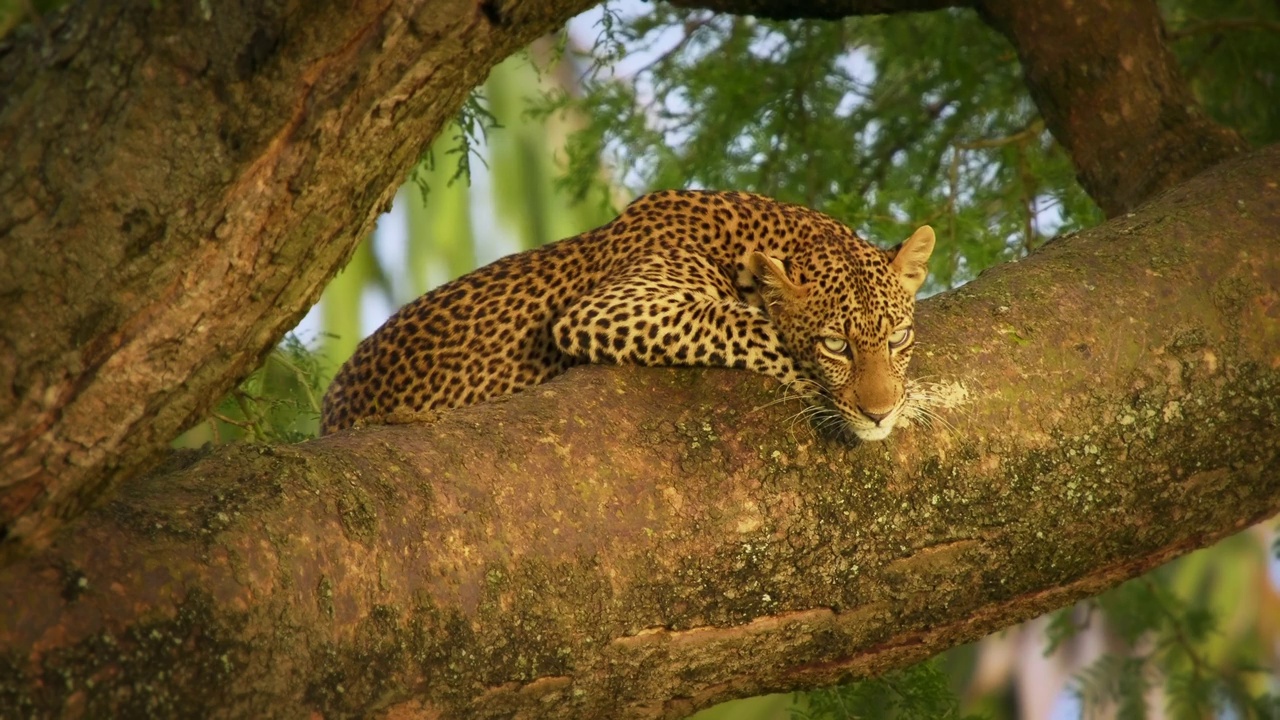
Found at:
(180, 180)
(646, 542)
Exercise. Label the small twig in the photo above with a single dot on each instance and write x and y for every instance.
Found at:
(1031, 131)
(1217, 27)
(1029, 194)
(691, 28)
(1087, 620)
(303, 379)
(252, 421)
(953, 191)
(230, 421)
(1179, 636)
(213, 429)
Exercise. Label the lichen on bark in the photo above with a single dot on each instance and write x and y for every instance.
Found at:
(567, 553)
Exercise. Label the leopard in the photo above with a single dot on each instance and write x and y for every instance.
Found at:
(711, 278)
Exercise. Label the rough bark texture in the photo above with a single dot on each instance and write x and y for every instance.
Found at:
(643, 542)
(180, 181)
(1103, 78)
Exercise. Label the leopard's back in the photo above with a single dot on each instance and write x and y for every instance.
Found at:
(676, 279)
(485, 334)
(489, 333)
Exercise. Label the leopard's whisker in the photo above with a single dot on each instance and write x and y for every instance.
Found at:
(801, 389)
(806, 413)
(926, 399)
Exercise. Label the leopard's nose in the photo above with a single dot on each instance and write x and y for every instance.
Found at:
(875, 417)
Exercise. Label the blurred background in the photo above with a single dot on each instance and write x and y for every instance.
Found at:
(885, 123)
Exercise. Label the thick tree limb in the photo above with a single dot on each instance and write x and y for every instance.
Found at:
(1101, 75)
(185, 178)
(180, 181)
(643, 543)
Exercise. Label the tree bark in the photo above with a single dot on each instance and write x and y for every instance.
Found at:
(180, 181)
(1100, 73)
(627, 542)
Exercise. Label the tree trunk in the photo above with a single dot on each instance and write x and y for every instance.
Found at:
(628, 542)
(180, 181)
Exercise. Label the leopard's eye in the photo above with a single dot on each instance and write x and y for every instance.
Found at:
(835, 345)
(899, 337)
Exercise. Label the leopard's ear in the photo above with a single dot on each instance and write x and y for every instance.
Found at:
(912, 258)
(773, 273)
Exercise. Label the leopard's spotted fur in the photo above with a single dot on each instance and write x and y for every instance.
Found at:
(679, 278)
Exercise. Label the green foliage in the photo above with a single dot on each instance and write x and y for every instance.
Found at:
(886, 122)
(279, 402)
(1062, 627)
(1230, 53)
(853, 117)
(1172, 642)
(441, 237)
(920, 692)
(468, 134)
(531, 205)
(1120, 681)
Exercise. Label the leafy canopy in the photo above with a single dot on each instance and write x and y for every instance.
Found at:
(884, 122)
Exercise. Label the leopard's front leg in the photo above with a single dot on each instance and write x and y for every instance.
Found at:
(672, 311)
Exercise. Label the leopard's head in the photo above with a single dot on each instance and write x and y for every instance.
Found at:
(845, 312)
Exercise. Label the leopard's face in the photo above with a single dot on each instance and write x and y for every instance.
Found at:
(848, 322)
